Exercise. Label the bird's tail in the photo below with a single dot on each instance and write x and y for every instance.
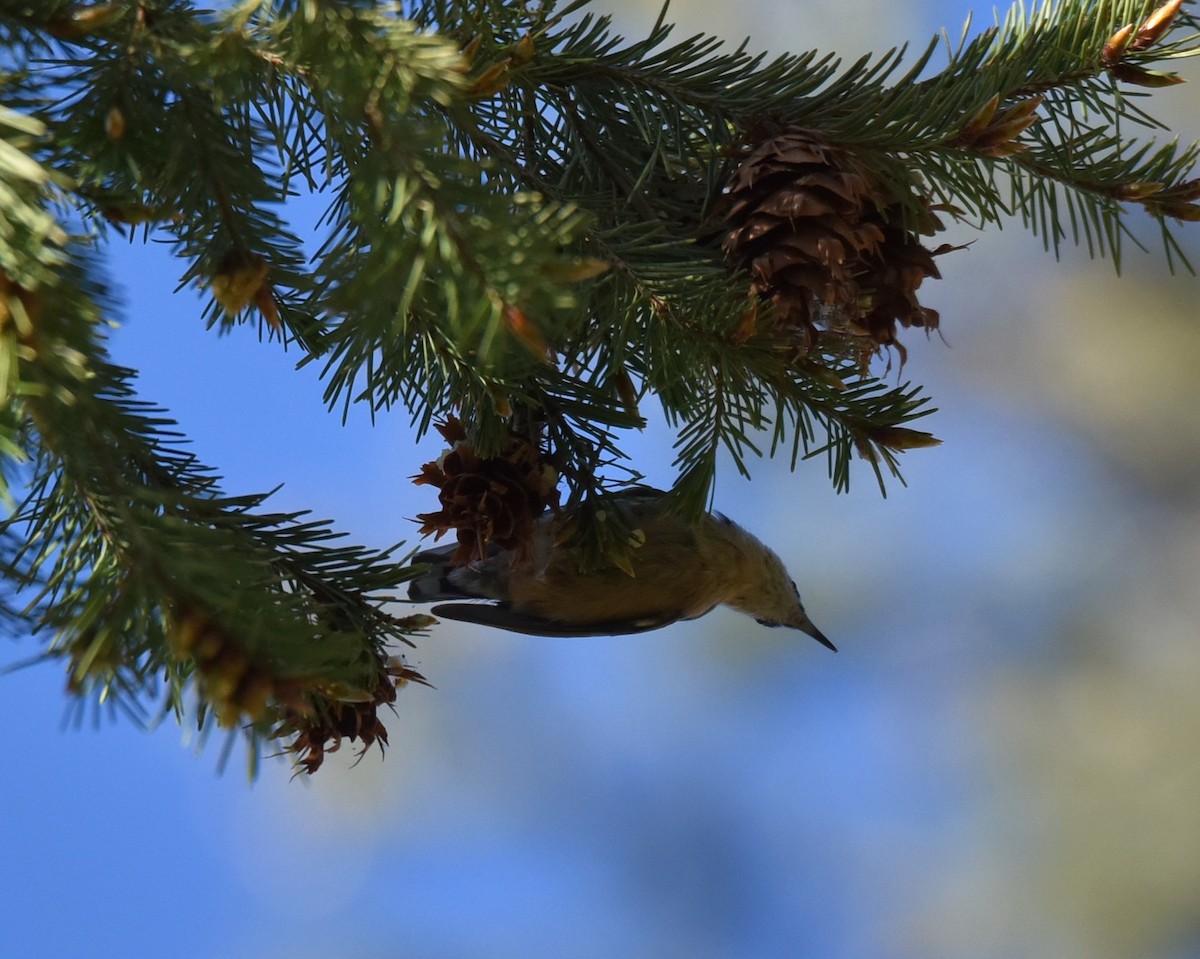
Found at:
(434, 585)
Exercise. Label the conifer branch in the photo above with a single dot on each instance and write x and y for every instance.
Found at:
(532, 223)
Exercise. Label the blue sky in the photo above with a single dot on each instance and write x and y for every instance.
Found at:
(709, 790)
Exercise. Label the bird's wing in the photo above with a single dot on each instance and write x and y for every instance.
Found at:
(504, 617)
(442, 554)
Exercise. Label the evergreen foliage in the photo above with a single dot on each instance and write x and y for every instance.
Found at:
(524, 230)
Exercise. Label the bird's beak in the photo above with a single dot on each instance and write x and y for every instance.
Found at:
(808, 627)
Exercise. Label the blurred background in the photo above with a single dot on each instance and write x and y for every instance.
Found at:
(1001, 761)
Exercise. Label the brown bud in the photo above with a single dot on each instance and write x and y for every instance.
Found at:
(1005, 148)
(1187, 190)
(228, 713)
(18, 306)
(500, 401)
(979, 122)
(748, 322)
(576, 271)
(528, 335)
(1115, 48)
(1155, 26)
(238, 281)
(864, 448)
(185, 637)
(82, 21)
(623, 384)
(253, 694)
(134, 213)
(114, 124)
(902, 438)
(403, 674)
(1004, 133)
(1128, 73)
(523, 51)
(491, 81)
(997, 138)
(623, 560)
(1188, 212)
(471, 50)
(1021, 110)
(264, 300)
(1138, 191)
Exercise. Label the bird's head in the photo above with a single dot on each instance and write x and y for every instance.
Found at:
(765, 590)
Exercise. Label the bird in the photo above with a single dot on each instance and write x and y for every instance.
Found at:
(680, 571)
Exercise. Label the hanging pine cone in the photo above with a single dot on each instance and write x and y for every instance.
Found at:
(237, 686)
(824, 241)
(486, 501)
(316, 725)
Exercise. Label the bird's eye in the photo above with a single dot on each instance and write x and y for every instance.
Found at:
(768, 623)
